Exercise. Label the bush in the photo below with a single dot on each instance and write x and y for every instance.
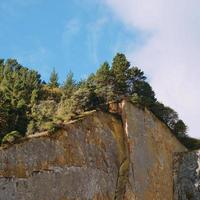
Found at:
(32, 128)
(11, 137)
(51, 127)
(48, 93)
(44, 111)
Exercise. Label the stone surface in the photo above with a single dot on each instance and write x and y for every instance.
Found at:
(151, 146)
(80, 161)
(187, 176)
(101, 157)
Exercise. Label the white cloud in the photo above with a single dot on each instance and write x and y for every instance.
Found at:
(94, 33)
(72, 27)
(171, 55)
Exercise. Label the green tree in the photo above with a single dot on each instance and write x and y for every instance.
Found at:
(4, 115)
(85, 98)
(19, 86)
(69, 85)
(104, 83)
(144, 93)
(119, 71)
(165, 114)
(135, 75)
(180, 129)
(53, 81)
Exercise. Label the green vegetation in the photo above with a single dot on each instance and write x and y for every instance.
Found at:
(11, 137)
(28, 105)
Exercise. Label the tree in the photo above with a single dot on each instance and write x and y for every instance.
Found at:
(119, 71)
(69, 85)
(134, 75)
(20, 87)
(180, 129)
(144, 92)
(104, 83)
(85, 98)
(53, 82)
(18, 83)
(4, 115)
(165, 114)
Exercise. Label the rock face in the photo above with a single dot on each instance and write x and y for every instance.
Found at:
(101, 157)
(151, 146)
(81, 161)
(187, 176)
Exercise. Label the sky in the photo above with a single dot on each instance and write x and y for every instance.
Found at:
(162, 37)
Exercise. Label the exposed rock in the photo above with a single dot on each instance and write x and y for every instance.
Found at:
(101, 157)
(152, 146)
(81, 161)
(187, 176)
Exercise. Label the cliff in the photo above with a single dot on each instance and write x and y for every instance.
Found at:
(187, 176)
(126, 155)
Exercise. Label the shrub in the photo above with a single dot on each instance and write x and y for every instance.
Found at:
(51, 127)
(11, 137)
(32, 127)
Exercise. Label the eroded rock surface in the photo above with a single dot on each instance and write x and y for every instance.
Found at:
(81, 161)
(152, 146)
(187, 176)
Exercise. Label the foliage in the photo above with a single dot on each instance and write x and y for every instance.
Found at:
(53, 81)
(104, 83)
(69, 85)
(19, 88)
(119, 70)
(51, 127)
(11, 137)
(84, 98)
(52, 94)
(180, 129)
(143, 90)
(32, 127)
(28, 105)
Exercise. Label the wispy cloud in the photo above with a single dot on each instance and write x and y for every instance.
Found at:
(72, 27)
(171, 56)
(94, 33)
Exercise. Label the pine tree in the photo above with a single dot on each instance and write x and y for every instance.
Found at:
(119, 71)
(69, 85)
(18, 85)
(134, 75)
(165, 114)
(104, 83)
(180, 129)
(144, 92)
(53, 82)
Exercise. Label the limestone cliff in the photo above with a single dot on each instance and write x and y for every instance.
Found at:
(128, 155)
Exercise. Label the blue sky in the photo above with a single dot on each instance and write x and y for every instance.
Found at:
(76, 36)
